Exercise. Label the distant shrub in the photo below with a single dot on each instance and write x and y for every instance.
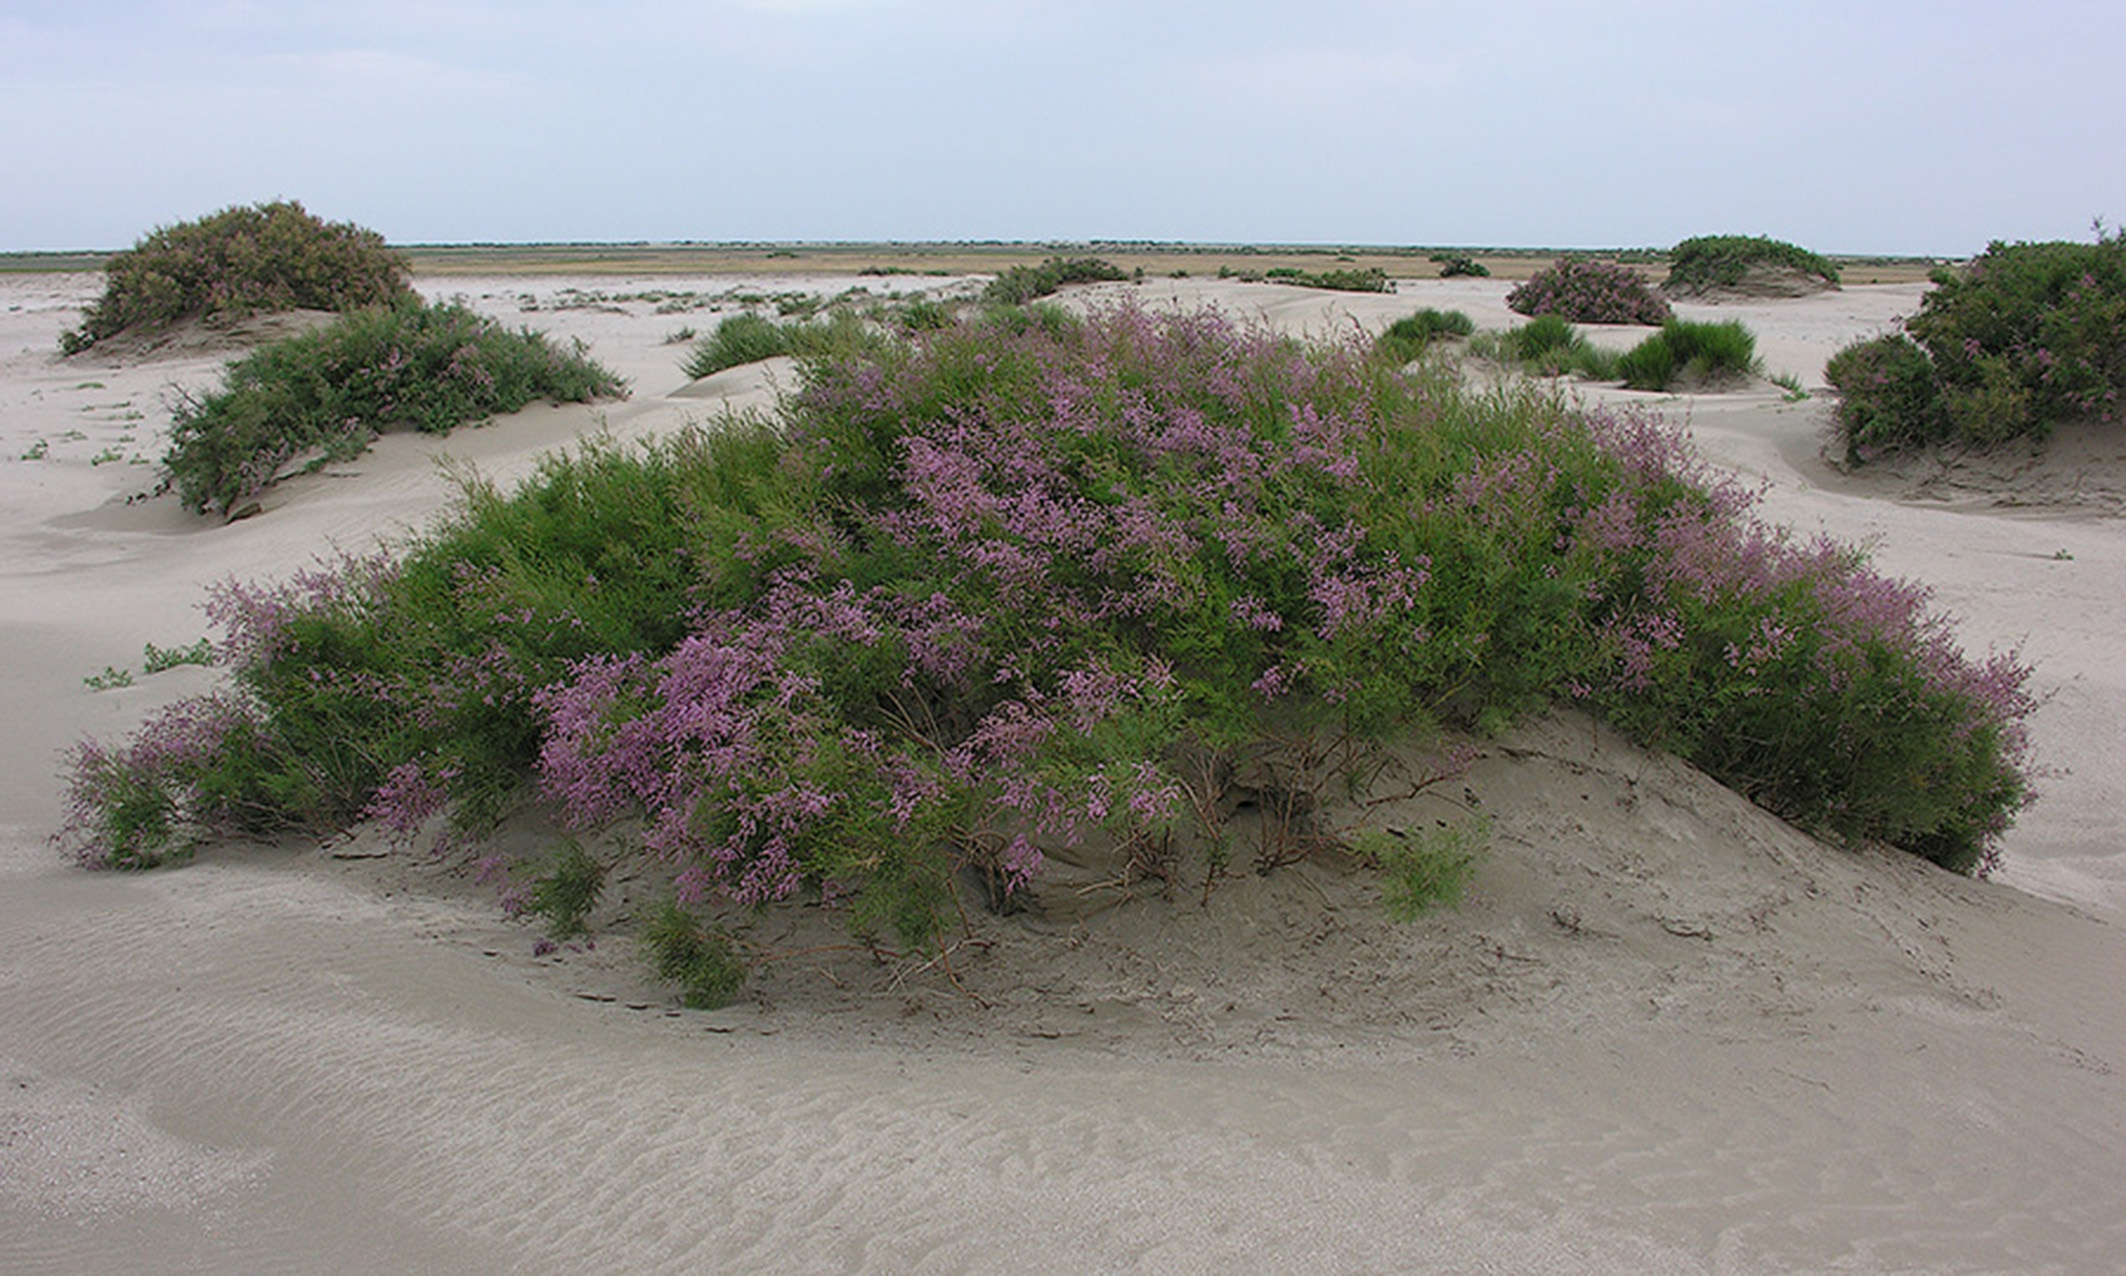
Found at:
(1453, 264)
(1020, 284)
(2027, 336)
(333, 390)
(1692, 352)
(1588, 291)
(242, 261)
(1710, 263)
(1409, 336)
(1369, 279)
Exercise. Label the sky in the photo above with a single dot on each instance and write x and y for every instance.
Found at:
(1852, 126)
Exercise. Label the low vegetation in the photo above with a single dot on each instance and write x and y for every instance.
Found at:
(1366, 279)
(237, 262)
(1007, 586)
(1021, 284)
(1690, 353)
(1727, 263)
(750, 338)
(1547, 346)
(1411, 335)
(326, 394)
(2026, 337)
(1452, 265)
(1584, 290)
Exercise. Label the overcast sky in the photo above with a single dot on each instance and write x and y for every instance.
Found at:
(1847, 126)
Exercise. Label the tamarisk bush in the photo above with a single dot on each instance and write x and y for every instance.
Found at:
(992, 589)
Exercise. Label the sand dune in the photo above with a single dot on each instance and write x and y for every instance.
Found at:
(1665, 1033)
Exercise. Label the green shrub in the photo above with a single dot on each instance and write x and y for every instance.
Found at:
(1693, 352)
(1020, 284)
(1409, 336)
(331, 391)
(1369, 279)
(242, 261)
(2025, 337)
(1710, 263)
(1587, 291)
(1012, 583)
(1549, 346)
(1888, 396)
(567, 892)
(700, 962)
(1454, 264)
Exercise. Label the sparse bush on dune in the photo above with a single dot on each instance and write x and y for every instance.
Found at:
(1008, 585)
(2028, 336)
(750, 338)
(242, 261)
(331, 391)
(1726, 263)
(1584, 290)
(1368, 279)
(1548, 346)
(1020, 284)
(1452, 265)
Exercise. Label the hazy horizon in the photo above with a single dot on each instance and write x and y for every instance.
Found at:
(1895, 129)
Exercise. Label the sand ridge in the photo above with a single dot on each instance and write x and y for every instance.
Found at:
(1665, 1032)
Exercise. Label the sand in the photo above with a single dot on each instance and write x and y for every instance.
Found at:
(1664, 1033)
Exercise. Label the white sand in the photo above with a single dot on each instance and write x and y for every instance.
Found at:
(1665, 1034)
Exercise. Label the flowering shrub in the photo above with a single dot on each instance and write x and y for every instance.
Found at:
(1587, 291)
(242, 261)
(999, 589)
(433, 367)
(2027, 336)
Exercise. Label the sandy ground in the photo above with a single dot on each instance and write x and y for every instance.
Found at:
(1664, 1034)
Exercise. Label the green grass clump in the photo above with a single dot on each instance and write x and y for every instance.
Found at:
(242, 261)
(333, 390)
(567, 892)
(698, 961)
(1710, 263)
(1409, 336)
(1689, 352)
(1427, 868)
(1020, 284)
(1549, 346)
(750, 338)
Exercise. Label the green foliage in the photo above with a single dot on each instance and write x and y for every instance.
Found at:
(1369, 279)
(567, 892)
(750, 338)
(1409, 336)
(700, 962)
(155, 659)
(1550, 346)
(1018, 285)
(1454, 264)
(2027, 336)
(1888, 396)
(1424, 868)
(1690, 352)
(242, 261)
(1712, 262)
(110, 679)
(330, 391)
